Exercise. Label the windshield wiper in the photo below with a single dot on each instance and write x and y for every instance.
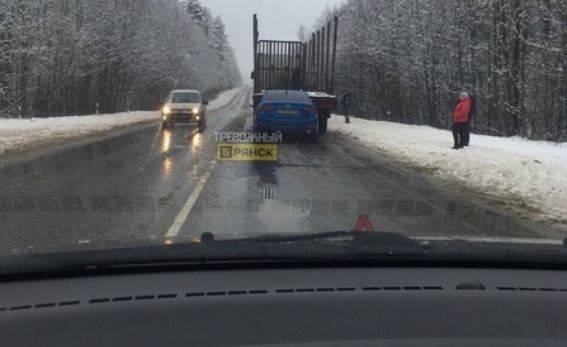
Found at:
(358, 243)
(348, 246)
(273, 238)
(328, 248)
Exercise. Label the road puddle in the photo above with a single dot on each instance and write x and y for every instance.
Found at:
(277, 216)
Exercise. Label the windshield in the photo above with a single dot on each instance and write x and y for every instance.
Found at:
(184, 98)
(434, 120)
(287, 96)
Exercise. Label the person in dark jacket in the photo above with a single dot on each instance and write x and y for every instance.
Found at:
(346, 103)
(461, 118)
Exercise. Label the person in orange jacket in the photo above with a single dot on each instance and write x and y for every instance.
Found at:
(461, 117)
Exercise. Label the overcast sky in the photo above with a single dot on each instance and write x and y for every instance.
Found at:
(278, 20)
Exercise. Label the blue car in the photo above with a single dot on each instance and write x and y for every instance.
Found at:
(287, 111)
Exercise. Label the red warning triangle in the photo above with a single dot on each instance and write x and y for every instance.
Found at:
(363, 223)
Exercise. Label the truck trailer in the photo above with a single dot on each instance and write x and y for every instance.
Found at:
(294, 65)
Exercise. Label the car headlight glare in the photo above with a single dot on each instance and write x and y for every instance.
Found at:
(195, 110)
(166, 110)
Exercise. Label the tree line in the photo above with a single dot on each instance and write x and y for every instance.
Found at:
(61, 57)
(407, 61)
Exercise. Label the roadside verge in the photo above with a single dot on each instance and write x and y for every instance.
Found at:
(527, 177)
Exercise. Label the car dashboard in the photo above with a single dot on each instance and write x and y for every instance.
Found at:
(290, 307)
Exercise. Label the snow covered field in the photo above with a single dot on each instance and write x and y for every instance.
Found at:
(529, 174)
(23, 134)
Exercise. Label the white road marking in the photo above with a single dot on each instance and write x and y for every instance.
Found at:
(183, 214)
(175, 228)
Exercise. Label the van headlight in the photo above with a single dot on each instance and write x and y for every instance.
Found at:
(166, 110)
(195, 110)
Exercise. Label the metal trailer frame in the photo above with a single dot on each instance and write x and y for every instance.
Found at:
(296, 65)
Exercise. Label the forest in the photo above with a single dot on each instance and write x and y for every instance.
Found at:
(67, 57)
(407, 60)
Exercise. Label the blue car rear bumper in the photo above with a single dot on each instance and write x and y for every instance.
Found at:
(309, 126)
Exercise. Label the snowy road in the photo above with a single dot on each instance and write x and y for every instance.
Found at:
(169, 186)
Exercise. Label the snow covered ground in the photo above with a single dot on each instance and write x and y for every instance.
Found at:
(23, 134)
(528, 174)
(223, 99)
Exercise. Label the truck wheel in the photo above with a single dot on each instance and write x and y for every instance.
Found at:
(323, 121)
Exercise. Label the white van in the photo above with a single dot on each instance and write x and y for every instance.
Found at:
(184, 106)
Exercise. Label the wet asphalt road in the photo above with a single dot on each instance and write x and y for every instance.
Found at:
(136, 195)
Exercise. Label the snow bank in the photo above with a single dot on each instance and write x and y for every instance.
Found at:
(223, 99)
(21, 134)
(531, 174)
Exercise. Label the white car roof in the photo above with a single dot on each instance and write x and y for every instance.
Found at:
(185, 91)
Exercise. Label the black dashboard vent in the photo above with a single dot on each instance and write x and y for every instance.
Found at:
(532, 289)
(69, 303)
(352, 289)
(163, 296)
(474, 285)
(145, 297)
(237, 292)
(41, 305)
(370, 289)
